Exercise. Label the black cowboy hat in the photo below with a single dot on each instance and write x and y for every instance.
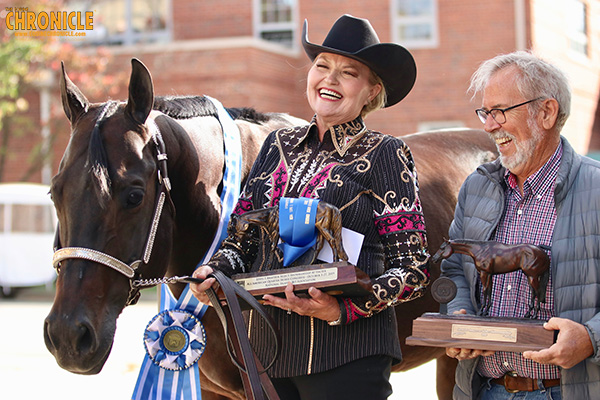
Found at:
(355, 38)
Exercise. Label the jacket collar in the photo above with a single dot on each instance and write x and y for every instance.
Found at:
(568, 170)
(342, 136)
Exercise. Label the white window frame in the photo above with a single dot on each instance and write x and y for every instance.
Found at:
(259, 27)
(129, 36)
(432, 19)
(574, 35)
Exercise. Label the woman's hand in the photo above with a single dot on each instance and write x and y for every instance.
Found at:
(320, 305)
(199, 289)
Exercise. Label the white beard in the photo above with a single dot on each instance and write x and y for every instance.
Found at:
(524, 150)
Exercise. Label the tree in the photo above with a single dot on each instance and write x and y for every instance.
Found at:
(16, 57)
(24, 64)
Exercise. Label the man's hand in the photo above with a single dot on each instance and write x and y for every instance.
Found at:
(465, 354)
(572, 346)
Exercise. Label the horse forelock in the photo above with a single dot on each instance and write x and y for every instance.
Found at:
(97, 161)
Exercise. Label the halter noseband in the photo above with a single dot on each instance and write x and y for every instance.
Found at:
(129, 270)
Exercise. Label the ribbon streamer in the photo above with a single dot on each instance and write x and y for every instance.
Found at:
(297, 218)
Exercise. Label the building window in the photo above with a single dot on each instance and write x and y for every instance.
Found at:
(275, 21)
(26, 218)
(126, 22)
(415, 23)
(577, 27)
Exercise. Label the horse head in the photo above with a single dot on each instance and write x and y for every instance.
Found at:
(265, 219)
(105, 193)
(443, 252)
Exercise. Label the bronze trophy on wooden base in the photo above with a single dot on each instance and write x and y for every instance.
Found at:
(482, 332)
(337, 278)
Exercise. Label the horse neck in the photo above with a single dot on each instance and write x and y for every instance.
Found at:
(463, 247)
(195, 187)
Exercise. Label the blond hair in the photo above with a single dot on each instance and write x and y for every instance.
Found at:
(378, 101)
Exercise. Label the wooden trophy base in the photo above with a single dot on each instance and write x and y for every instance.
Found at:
(480, 333)
(336, 279)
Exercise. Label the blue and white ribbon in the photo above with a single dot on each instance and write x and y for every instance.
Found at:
(175, 340)
(178, 376)
(296, 227)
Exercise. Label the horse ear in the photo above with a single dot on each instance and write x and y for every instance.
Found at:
(74, 102)
(141, 92)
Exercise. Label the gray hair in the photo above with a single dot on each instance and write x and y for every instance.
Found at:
(537, 78)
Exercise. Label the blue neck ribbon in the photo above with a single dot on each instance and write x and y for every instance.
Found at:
(154, 382)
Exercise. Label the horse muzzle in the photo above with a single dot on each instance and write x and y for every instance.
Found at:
(76, 344)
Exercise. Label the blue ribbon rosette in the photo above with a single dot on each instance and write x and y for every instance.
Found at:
(297, 217)
(175, 339)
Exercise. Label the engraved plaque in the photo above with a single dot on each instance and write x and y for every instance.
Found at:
(310, 276)
(336, 279)
(495, 334)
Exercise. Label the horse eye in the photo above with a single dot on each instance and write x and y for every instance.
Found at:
(134, 198)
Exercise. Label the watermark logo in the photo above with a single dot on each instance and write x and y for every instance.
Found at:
(26, 23)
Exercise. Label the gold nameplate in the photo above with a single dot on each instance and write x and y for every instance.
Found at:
(496, 334)
(312, 277)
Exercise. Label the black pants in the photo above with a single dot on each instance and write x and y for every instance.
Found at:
(367, 378)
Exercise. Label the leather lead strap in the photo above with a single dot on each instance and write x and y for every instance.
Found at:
(257, 384)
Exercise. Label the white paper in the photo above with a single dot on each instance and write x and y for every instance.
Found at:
(352, 244)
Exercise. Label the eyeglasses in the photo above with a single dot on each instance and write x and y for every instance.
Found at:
(498, 113)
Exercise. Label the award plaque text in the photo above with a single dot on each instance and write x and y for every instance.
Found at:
(336, 279)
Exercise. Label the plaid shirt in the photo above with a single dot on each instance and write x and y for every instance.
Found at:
(528, 218)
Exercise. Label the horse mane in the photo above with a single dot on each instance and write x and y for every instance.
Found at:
(184, 107)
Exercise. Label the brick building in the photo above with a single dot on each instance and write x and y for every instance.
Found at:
(248, 53)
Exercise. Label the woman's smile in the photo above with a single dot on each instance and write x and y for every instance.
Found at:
(338, 88)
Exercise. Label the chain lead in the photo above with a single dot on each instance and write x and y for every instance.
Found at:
(157, 281)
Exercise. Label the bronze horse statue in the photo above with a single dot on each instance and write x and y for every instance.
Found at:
(110, 180)
(328, 224)
(491, 258)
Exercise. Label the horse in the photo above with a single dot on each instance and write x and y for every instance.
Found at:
(106, 191)
(110, 180)
(328, 223)
(491, 257)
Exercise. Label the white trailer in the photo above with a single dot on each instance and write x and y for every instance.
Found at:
(27, 225)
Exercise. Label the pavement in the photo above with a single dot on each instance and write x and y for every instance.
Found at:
(29, 371)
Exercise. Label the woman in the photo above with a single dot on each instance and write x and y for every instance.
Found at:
(341, 348)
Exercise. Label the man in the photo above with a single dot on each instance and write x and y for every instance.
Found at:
(541, 192)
